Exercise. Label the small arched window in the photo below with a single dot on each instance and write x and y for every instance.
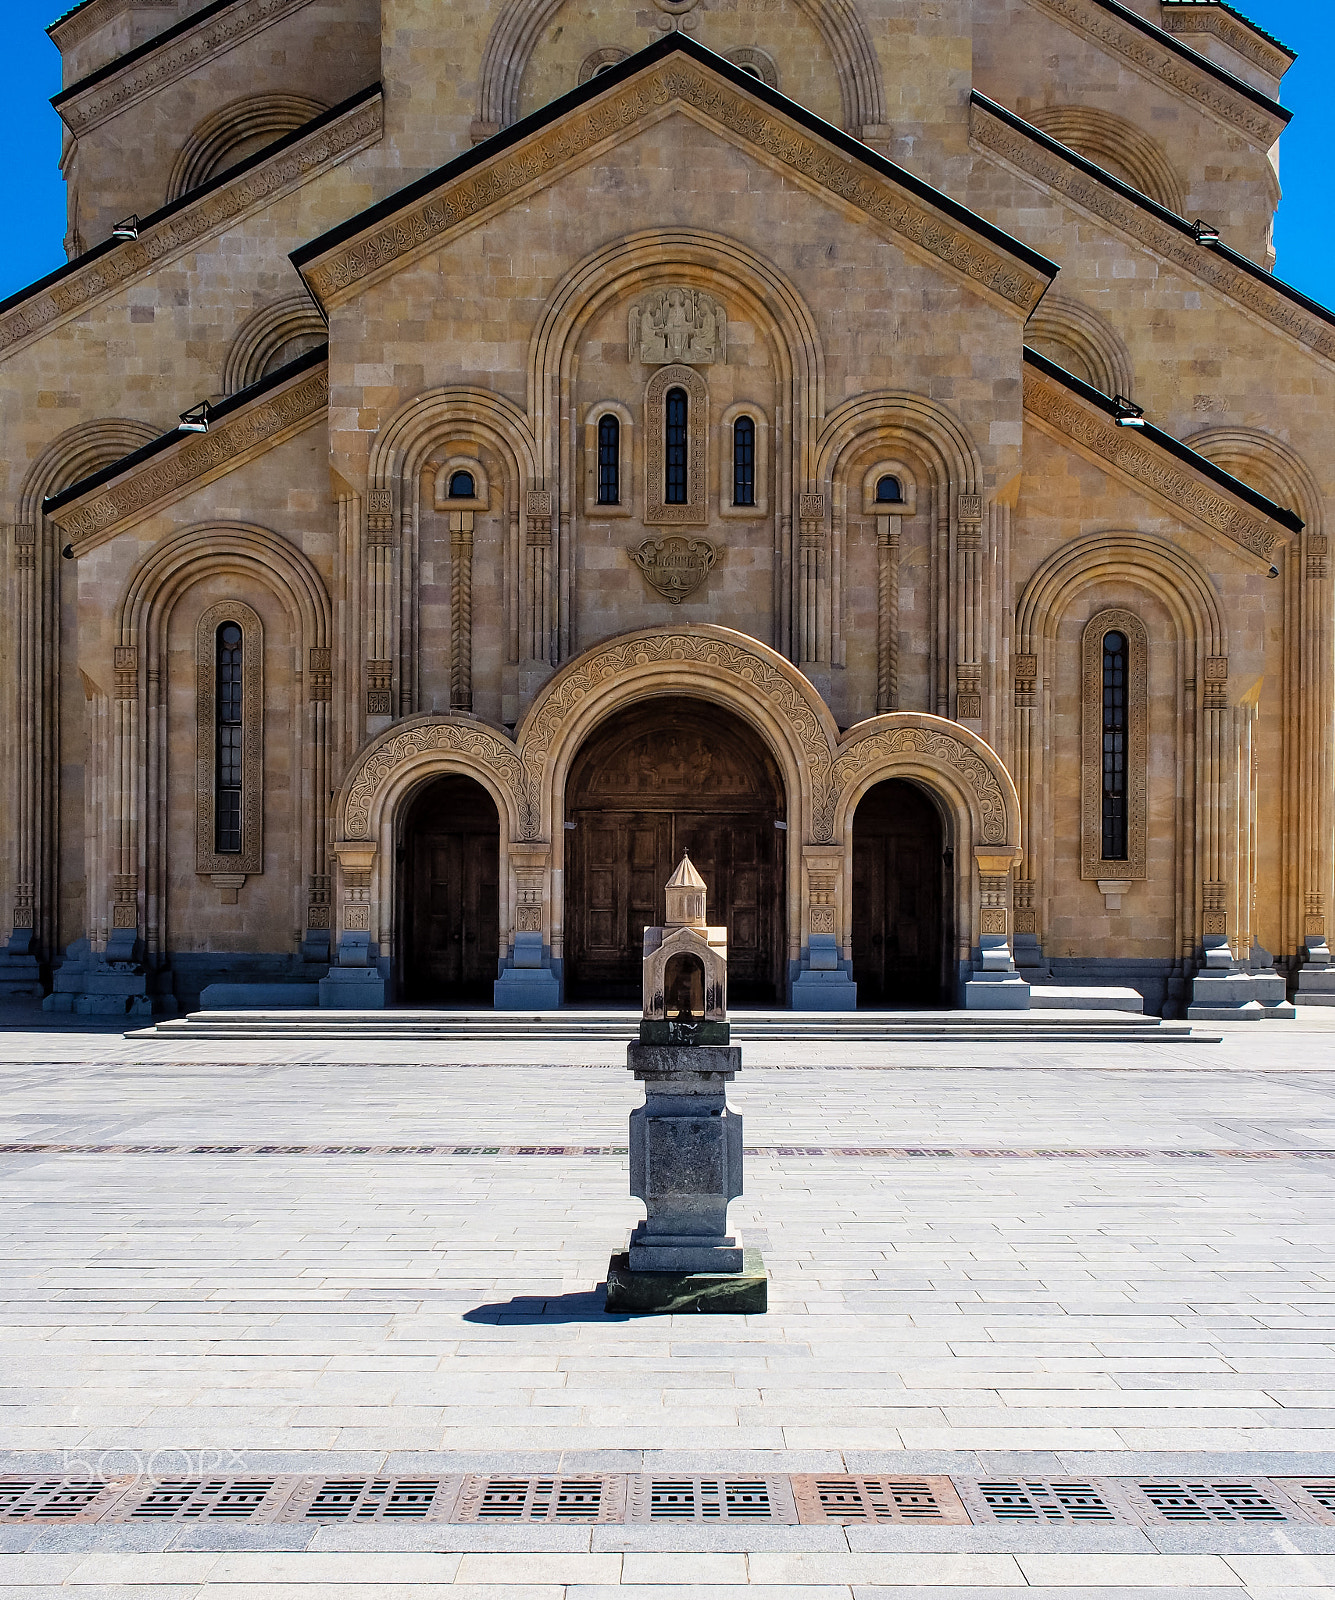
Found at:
(675, 478)
(609, 460)
(1114, 746)
(462, 486)
(229, 733)
(889, 491)
(744, 461)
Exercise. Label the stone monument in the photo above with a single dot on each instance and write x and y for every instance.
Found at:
(685, 1141)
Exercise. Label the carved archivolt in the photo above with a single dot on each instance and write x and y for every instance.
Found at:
(1081, 341)
(1118, 146)
(250, 858)
(399, 750)
(283, 330)
(227, 136)
(1092, 864)
(969, 763)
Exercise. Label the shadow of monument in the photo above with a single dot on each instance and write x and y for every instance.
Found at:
(584, 1305)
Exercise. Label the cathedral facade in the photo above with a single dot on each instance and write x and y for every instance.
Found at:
(475, 454)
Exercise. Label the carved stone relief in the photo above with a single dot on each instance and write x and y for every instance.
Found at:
(674, 564)
(485, 748)
(880, 748)
(679, 325)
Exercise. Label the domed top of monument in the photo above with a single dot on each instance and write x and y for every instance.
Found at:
(685, 897)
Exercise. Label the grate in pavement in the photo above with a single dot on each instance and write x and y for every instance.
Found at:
(860, 1499)
(1045, 1500)
(1215, 1500)
(691, 1499)
(1316, 1496)
(594, 1497)
(58, 1500)
(371, 1500)
(194, 1499)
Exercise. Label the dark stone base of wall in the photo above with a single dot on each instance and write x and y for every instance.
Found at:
(187, 975)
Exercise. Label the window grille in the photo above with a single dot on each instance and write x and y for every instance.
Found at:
(609, 460)
(675, 490)
(228, 722)
(744, 462)
(1114, 746)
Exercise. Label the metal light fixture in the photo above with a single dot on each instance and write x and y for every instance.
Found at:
(126, 228)
(1127, 413)
(196, 420)
(1203, 233)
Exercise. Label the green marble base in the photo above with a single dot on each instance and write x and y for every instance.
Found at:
(661, 1292)
(685, 1032)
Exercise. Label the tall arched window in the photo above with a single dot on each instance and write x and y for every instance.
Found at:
(228, 764)
(744, 461)
(1114, 746)
(609, 456)
(675, 479)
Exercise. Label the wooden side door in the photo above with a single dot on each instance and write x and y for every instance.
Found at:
(452, 885)
(897, 899)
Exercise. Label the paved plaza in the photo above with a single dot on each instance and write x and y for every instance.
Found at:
(294, 1263)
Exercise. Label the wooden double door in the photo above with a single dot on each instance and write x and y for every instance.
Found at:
(664, 778)
(900, 871)
(450, 865)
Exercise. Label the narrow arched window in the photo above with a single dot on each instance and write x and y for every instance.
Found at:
(889, 491)
(609, 460)
(227, 770)
(675, 491)
(462, 486)
(744, 462)
(1114, 746)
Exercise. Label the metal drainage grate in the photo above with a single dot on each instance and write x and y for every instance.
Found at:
(371, 1500)
(858, 1499)
(1315, 1495)
(1216, 1500)
(56, 1500)
(590, 1498)
(690, 1499)
(195, 1499)
(1044, 1500)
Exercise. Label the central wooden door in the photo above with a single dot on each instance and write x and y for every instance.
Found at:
(450, 864)
(662, 778)
(899, 871)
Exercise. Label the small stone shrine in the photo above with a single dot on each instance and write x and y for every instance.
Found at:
(685, 1141)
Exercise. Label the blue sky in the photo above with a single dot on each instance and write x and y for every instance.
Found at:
(32, 191)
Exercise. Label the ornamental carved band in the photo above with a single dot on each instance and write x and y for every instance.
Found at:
(942, 748)
(484, 749)
(513, 171)
(1092, 864)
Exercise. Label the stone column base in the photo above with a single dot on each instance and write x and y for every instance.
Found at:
(660, 1293)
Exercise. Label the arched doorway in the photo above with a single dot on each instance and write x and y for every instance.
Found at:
(450, 865)
(658, 778)
(900, 873)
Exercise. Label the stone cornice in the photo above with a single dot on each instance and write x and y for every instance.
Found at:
(188, 461)
(1245, 37)
(1174, 66)
(1109, 201)
(1074, 420)
(84, 21)
(182, 225)
(180, 50)
(679, 71)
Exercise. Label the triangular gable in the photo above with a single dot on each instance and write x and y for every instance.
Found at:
(246, 425)
(1153, 461)
(677, 70)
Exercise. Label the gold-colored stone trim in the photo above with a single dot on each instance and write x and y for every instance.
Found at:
(207, 455)
(1091, 430)
(514, 170)
(1144, 228)
(184, 229)
(1167, 67)
(1092, 864)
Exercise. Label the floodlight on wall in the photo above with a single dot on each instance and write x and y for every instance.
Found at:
(1203, 233)
(126, 228)
(196, 420)
(1127, 414)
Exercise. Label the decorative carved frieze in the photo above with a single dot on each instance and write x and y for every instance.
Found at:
(185, 54)
(674, 564)
(681, 325)
(1193, 17)
(125, 667)
(1146, 466)
(533, 161)
(182, 467)
(1215, 683)
(320, 674)
(968, 691)
(529, 883)
(482, 747)
(379, 688)
(161, 242)
(538, 516)
(124, 900)
(25, 545)
(822, 887)
(1255, 292)
(1214, 916)
(1024, 674)
(380, 516)
(969, 508)
(877, 749)
(1162, 64)
(1318, 548)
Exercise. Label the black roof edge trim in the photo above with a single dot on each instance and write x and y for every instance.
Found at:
(224, 408)
(111, 68)
(1246, 22)
(614, 77)
(219, 181)
(1095, 397)
(1245, 263)
(1173, 43)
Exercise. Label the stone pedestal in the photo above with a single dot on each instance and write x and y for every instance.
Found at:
(528, 982)
(20, 974)
(1224, 991)
(824, 984)
(995, 985)
(111, 984)
(1316, 976)
(354, 983)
